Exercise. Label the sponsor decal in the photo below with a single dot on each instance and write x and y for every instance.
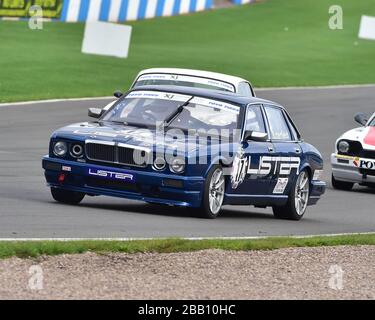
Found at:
(281, 185)
(273, 165)
(112, 175)
(20, 8)
(183, 98)
(158, 95)
(281, 166)
(238, 169)
(366, 164)
(169, 96)
(216, 104)
(191, 79)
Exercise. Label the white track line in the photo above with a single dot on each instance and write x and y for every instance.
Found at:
(352, 86)
(348, 86)
(23, 103)
(186, 238)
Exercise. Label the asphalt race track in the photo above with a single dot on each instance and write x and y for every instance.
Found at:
(27, 209)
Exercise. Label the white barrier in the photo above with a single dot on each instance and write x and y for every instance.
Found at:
(367, 28)
(103, 38)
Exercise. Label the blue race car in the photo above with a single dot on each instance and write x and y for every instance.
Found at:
(187, 147)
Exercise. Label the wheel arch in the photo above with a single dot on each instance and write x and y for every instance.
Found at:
(308, 169)
(220, 160)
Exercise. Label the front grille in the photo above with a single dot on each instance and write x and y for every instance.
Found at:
(367, 154)
(117, 153)
(125, 155)
(367, 172)
(100, 152)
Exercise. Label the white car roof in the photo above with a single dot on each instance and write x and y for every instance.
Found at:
(198, 73)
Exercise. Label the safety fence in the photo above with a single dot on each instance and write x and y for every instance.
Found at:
(105, 10)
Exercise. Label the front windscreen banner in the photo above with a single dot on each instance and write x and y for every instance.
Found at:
(20, 8)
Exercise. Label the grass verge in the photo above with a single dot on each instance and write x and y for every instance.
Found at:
(25, 249)
(271, 43)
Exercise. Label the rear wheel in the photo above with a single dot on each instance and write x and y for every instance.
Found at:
(214, 193)
(341, 185)
(297, 201)
(66, 196)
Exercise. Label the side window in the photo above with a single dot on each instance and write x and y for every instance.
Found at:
(244, 89)
(254, 119)
(279, 129)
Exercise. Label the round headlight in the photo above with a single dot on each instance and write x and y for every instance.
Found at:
(177, 165)
(159, 163)
(343, 146)
(76, 151)
(60, 148)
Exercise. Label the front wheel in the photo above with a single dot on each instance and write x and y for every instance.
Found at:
(213, 196)
(298, 199)
(66, 196)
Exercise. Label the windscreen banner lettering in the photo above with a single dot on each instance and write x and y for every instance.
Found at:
(182, 78)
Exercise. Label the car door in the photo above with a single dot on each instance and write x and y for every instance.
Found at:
(257, 177)
(287, 150)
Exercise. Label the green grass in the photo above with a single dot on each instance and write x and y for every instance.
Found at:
(36, 248)
(248, 41)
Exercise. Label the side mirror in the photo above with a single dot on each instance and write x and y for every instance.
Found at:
(95, 112)
(361, 118)
(117, 94)
(255, 136)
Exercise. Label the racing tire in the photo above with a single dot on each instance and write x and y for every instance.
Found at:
(213, 195)
(298, 199)
(341, 185)
(66, 196)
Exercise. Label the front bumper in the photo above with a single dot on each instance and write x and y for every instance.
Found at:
(353, 169)
(147, 186)
(317, 189)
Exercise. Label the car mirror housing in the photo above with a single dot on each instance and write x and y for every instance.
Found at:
(95, 112)
(361, 118)
(118, 94)
(255, 136)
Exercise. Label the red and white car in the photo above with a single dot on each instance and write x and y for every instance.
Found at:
(354, 157)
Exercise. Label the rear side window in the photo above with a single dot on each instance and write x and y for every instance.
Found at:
(244, 89)
(279, 129)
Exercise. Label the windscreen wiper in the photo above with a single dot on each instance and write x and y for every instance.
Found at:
(176, 112)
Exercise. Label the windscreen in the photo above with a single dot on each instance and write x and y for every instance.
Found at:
(152, 107)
